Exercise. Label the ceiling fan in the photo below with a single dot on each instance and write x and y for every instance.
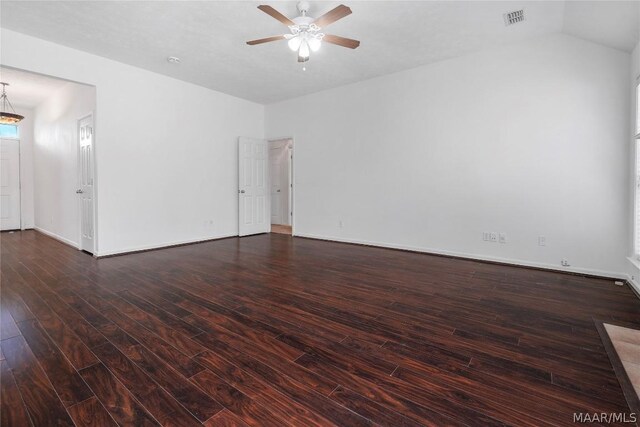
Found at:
(305, 36)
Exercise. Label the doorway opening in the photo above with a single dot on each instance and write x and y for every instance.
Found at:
(49, 183)
(281, 185)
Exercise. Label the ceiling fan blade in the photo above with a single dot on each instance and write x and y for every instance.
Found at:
(341, 41)
(265, 40)
(275, 14)
(332, 16)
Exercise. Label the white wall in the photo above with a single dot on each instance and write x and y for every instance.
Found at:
(530, 140)
(56, 160)
(166, 150)
(634, 265)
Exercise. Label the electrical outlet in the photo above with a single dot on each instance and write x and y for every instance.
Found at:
(340, 224)
(565, 263)
(486, 236)
(542, 241)
(502, 238)
(493, 237)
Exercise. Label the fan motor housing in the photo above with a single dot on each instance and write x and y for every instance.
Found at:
(303, 21)
(303, 6)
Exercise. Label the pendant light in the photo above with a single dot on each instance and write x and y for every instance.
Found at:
(7, 117)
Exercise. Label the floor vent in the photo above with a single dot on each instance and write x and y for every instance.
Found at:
(514, 17)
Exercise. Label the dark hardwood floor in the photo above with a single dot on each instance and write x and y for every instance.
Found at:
(274, 331)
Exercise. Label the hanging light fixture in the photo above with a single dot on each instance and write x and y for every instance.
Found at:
(7, 117)
(305, 35)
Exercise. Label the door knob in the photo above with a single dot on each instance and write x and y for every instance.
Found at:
(79, 191)
(278, 190)
(242, 191)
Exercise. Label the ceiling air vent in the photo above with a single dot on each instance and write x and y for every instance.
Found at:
(514, 17)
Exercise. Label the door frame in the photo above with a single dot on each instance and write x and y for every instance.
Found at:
(281, 147)
(292, 172)
(20, 205)
(95, 181)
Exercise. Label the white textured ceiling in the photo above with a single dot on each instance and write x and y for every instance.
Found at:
(611, 23)
(210, 37)
(28, 89)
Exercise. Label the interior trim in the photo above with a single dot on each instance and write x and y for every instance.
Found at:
(57, 237)
(596, 274)
(161, 246)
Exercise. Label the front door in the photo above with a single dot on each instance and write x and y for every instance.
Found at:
(10, 184)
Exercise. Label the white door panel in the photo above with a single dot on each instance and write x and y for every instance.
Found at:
(253, 200)
(85, 192)
(10, 184)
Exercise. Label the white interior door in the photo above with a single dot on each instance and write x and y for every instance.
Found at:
(86, 190)
(9, 184)
(253, 200)
(275, 170)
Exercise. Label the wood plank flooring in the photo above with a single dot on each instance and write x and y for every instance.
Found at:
(271, 330)
(281, 229)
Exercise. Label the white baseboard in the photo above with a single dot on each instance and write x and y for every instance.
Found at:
(162, 245)
(517, 262)
(635, 263)
(57, 237)
(635, 285)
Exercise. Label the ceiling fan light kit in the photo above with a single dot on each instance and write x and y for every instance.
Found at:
(305, 35)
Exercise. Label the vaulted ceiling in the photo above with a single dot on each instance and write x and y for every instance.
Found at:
(209, 37)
